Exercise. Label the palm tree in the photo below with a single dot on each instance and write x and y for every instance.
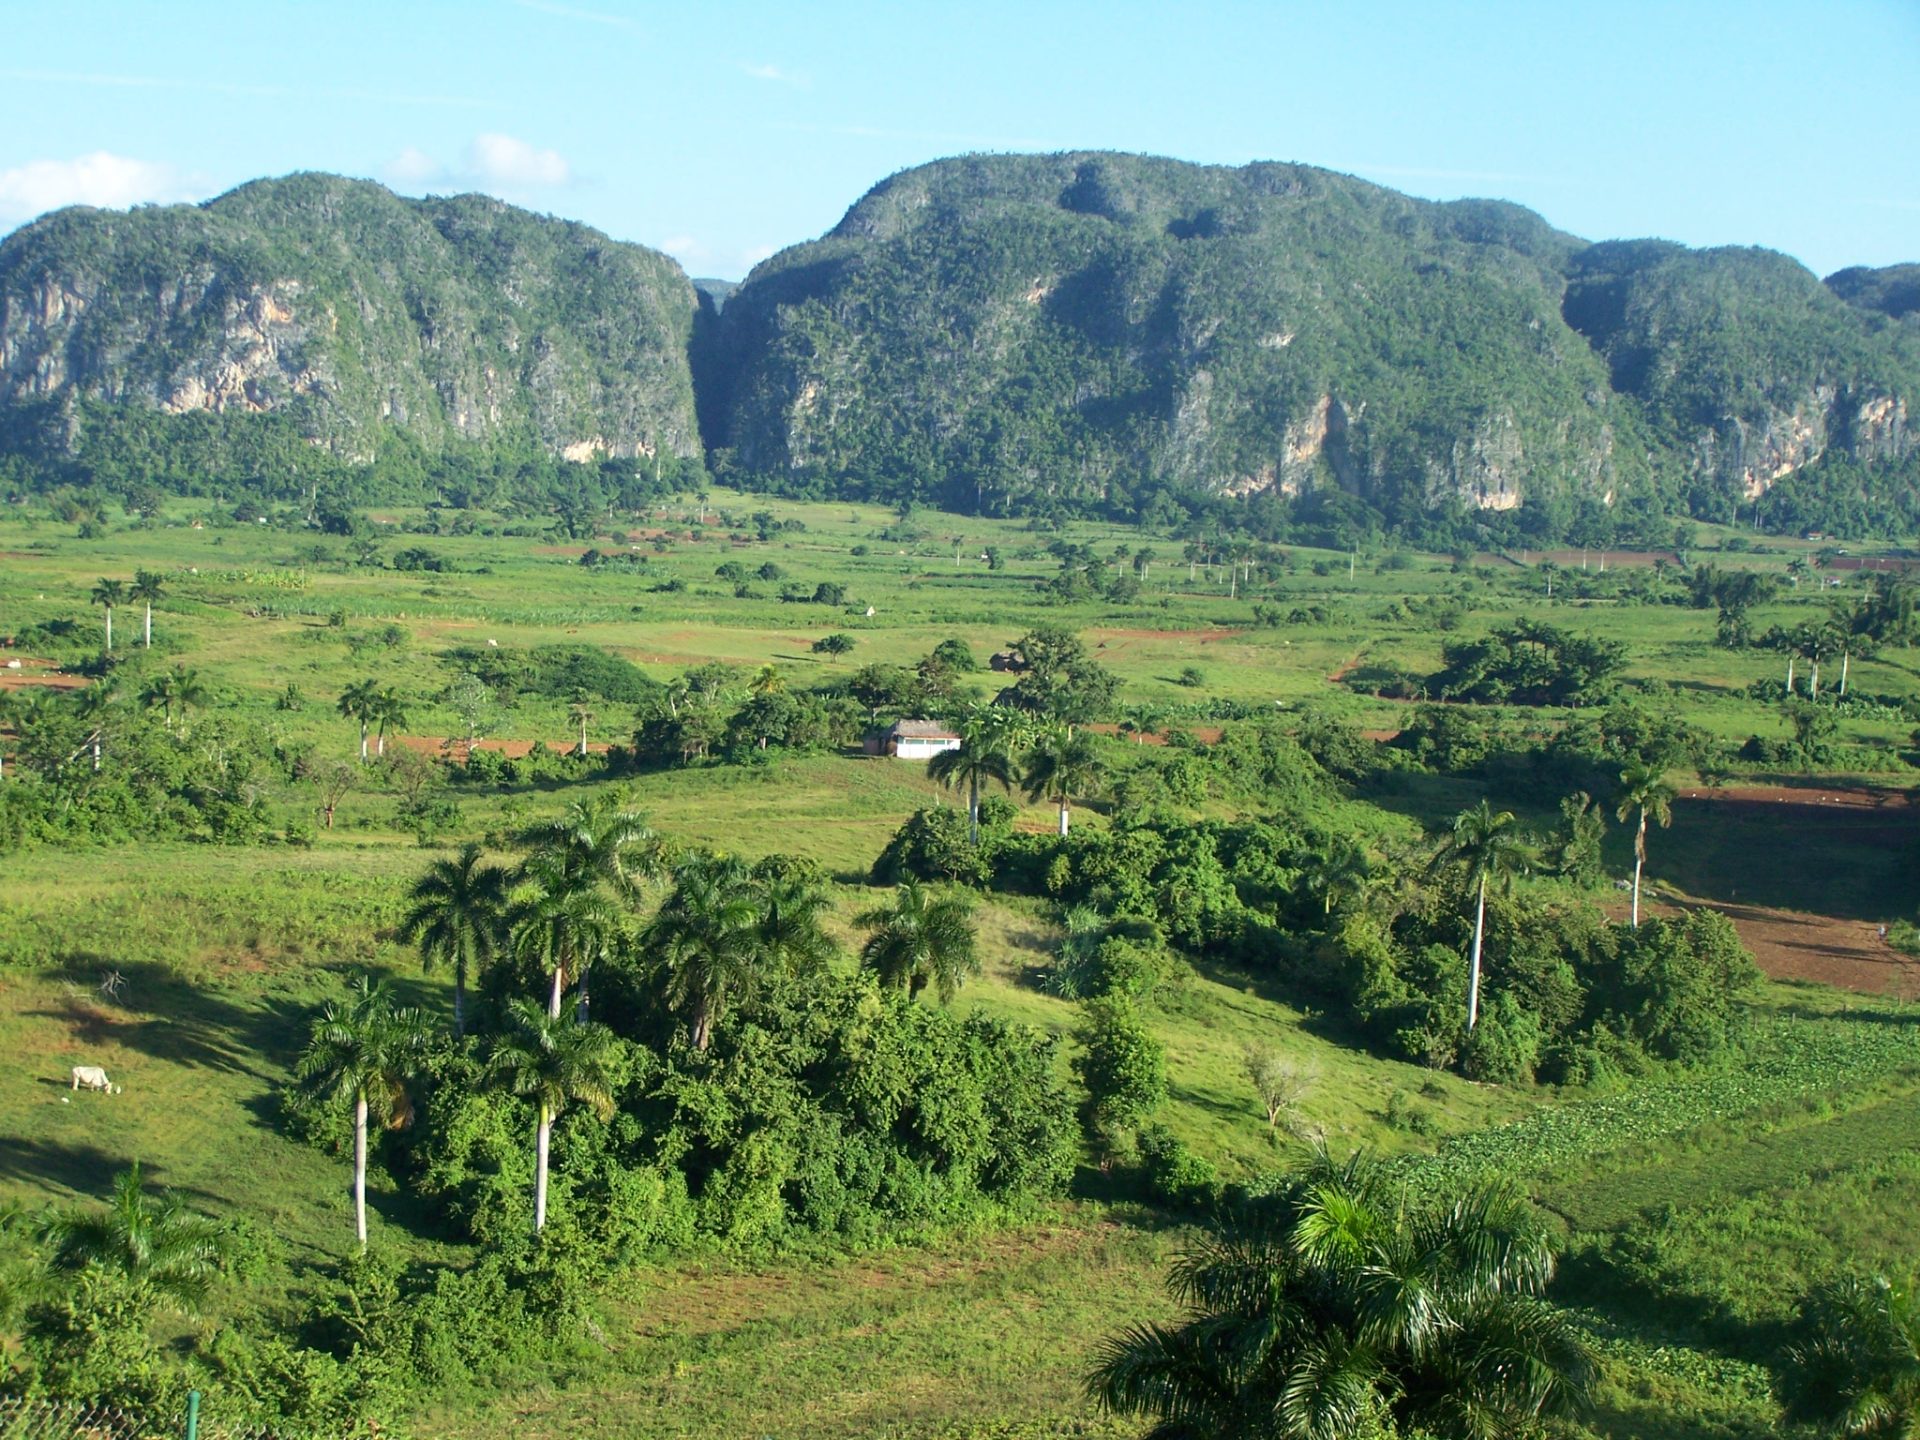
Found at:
(1341, 872)
(922, 938)
(1060, 766)
(576, 870)
(582, 714)
(147, 588)
(596, 844)
(559, 929)
(792, 900)
(1319, 1311)
(157, 1246)
(175, 689)
(989, 739)
(365, 1051)
(551, 1060)
(95, 706)
(457, 913)
(711, 940)
(1142, 721)
(160, 692)
(188, 691)
(360, 701)
(1645, 789)
(389, 711)
(1483, 844)
(107, 594)
(1859, 1363)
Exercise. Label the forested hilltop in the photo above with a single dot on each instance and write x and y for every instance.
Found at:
(318, 308)
(1274, 346)
(1006, 330)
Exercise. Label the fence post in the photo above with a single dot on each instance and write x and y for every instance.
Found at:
(193, 1415)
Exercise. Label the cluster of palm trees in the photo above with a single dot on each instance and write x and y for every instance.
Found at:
(374, 709)
(1336, 1308)
(81, 722)
(146, 588)
(576, 898)
(1485, 845)
(1002, 746)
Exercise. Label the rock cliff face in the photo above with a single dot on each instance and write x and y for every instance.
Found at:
(351, 309)
(996, 329)
(1746, 366)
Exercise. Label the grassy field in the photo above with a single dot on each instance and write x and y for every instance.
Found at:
(192, 972)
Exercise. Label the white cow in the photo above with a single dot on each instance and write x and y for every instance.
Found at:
(92, 1077)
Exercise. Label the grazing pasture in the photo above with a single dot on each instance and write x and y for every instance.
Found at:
(1695, 1200)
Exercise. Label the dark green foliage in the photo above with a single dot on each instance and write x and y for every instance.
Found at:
(1337, 1306)
(1062, 682)
(1854, 1359)
(933, 845)
(1529, 663)
(555, 671)
(1173, 1173)
(1566, 993)
(1123, 1068)
(1577, 855)
(204, 784)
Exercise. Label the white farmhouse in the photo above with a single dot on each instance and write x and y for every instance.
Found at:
(920, 739)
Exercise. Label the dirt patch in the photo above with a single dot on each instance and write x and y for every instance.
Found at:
(1791, 945)
(1347, 666)
(1205, 734)
(1596, 560)
(1827, 796)
(36, 672)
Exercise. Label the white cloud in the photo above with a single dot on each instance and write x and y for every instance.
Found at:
(503, 160)
(775, 74)
(413, 167)
(502, 164)
(102, 178)
(754, 254)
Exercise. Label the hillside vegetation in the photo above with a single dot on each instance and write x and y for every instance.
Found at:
(1274, 347)
(1014, 331)
(351, 314)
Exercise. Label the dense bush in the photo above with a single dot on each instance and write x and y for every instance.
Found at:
(822, 1109)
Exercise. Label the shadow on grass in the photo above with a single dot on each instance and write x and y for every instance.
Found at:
(1598, 1281)
(82, 1169)
(158, 1013)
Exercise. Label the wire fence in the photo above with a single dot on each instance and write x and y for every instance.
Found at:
(26, 1418)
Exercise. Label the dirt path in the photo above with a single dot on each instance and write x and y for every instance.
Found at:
(33, 671)
(1347, 666)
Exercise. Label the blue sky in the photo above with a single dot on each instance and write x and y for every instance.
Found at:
(722, 132)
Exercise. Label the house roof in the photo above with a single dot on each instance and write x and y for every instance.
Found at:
(922, 730)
